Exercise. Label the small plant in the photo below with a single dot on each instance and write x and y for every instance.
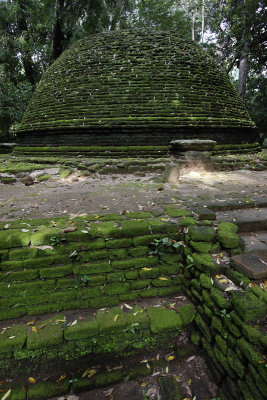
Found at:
(131, 328)
(189, 261)
(81, 279)
(55, 240)
(224, 313)
(159, 245)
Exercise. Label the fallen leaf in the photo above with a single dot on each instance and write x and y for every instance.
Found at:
(31, 380)
(11, 337)
(74, 323)
(189, 381)
(146, 269)
(127, 306)
(34, 329)
(92, 372)
(170, 358)
(144, 384)
(70, 229)
(223, 281)
(108, 392)
(6, 395)
(116, 317)
(163, 279)
(164, 219)
(6, 226)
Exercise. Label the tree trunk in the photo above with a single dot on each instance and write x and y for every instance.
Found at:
(202, 21)
(57, 46)
(242, 77)
(26, 58)
(193, 27)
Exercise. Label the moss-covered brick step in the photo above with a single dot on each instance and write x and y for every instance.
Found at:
(82, 330)
(162, 320)
(228, 240)
(46, 333)
(13, 338)
(248, 306)
(201, 233)
(14, 238)
(174, 211)
(134, 228)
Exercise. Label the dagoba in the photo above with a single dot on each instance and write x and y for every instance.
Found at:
(134, 88)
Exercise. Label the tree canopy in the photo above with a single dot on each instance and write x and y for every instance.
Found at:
(33, 33)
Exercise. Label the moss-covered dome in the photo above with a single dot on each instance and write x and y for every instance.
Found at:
(129, 87)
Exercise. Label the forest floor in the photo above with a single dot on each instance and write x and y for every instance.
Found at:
(104, 194)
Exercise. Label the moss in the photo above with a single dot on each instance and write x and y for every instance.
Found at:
(227, 239)
(124, 264)
(219, 298)
(26, 275)
(13, 313)
(55, 272)
(203, 327)
(249, 351)
(170, 269)
(187, 221)
(115, 277)
(148, 292)
(92, 244)
(87, 293)
(260, 293)
(195, 338)
(148, 272)
(138, 251)
(205, 281)
(116, 288)
(138, 214)
(44, 390)
(137, 372)
(261, 385)
(171, 258)
(93, 268)
(222, 344)
(22, 254)
(134, 228)
(144, 240)
(201, 233)
(175, 212)
(95, 255)
(228, 227)
(117, 253)
(216, 323)
(248, 306)
(140, 284)
(13, 338)
(111, 321)
(162, 281)
(187, 313)
(130, 296)
(131, 274)
(253, 335)
(49, 333)
(14, 238)
(43, 178)
(201, 247)
(104, 301)
(204, 260)
(244, 388)
(118, 243)
(162, 320)
(143, 262)
(82, 330)
(108, 378)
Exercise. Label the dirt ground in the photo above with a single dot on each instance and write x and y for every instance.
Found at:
(102, 194)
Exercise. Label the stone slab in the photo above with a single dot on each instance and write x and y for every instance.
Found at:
(247, 220)
(204, 213)
(193, 144)
(170, 388)
(253, 265)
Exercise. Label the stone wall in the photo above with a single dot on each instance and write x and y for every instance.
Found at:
(100, 261)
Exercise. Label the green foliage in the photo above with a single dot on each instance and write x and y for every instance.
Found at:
(159, 245)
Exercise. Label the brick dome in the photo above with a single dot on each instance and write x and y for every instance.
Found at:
(134, 88)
